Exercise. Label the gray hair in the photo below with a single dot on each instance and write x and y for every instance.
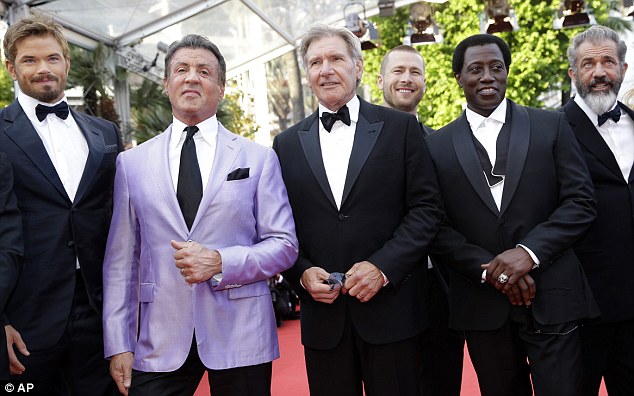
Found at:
(197, 41)
(595, 34)
(320, 31)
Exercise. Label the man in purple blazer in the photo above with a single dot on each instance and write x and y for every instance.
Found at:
(185, 274)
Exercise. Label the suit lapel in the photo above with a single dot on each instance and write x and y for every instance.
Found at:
(468, 159)
(309, 138)
(157, 161)
(517, 152)
(227, 149)
(23, 134)
(96, 147)
(630, 112)
(589, 137)
(365, 137)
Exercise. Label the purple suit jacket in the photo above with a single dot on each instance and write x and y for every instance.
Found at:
(148, 308)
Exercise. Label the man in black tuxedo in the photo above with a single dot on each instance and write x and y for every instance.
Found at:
(604, 128)
(402, 81)
(64, 163)
(516, 287)
(11, 248)
(365, 203)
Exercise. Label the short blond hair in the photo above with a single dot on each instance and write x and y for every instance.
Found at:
(36, 25)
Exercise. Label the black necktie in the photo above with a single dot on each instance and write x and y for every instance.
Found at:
(60, 110)
(329, 119)
(190, 186)
(614, 114)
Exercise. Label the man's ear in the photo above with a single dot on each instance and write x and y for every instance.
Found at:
(458, 78)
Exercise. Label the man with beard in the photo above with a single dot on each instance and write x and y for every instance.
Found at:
(604, 128)
(64, 165)
(402, 80)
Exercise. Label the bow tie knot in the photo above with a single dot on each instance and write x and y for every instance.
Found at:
(614, 114)
(329, 119)
(60, 110)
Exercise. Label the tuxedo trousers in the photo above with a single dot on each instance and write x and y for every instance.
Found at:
(239, 381)
(355, 366)
(443, 348)
(76, 364)
(522, 351)
(608, 353)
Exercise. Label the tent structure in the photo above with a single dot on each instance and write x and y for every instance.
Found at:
(248, 32)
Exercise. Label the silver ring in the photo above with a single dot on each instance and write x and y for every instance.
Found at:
(182, 271)
(503, 278)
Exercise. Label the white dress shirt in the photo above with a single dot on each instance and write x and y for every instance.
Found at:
(205, 140)
(64, 142)
(486, 130)
(619, 136)
(336, 147)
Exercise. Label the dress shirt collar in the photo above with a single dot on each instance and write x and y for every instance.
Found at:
(353, 108)
(476, 120)
(28, 105)
(594, 117)
(207, 129)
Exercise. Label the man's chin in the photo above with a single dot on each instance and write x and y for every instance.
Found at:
(600, 101)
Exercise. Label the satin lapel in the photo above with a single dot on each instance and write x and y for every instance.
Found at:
(227, 149)
(365, 137)
(517, 152)
(157, 161)
(23, 134)
(309, 139)
(468, 158)
(96, 147)
(589, 137)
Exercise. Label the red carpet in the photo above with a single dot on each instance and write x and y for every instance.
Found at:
(289, 371)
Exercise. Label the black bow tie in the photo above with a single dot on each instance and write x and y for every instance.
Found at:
(60, 110)
(329, 119)
(614, 114)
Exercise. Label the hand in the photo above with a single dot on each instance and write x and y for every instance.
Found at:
(314, 281)
(514, 263)
(121, 371)
(13, 337)
(363, 281)
(523, 292)
(196, 263)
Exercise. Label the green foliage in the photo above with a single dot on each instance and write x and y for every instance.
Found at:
(94, 71)
(6, 87)
(232, 115)
(539, 62)
(152, 112)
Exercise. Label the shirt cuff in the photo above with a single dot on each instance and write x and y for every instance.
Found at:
(530, 253)
(385, 280)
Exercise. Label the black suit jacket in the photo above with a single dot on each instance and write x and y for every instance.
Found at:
(10, 249)
(389, 214)
(607, 249)
(56, 230)
(547, 204)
